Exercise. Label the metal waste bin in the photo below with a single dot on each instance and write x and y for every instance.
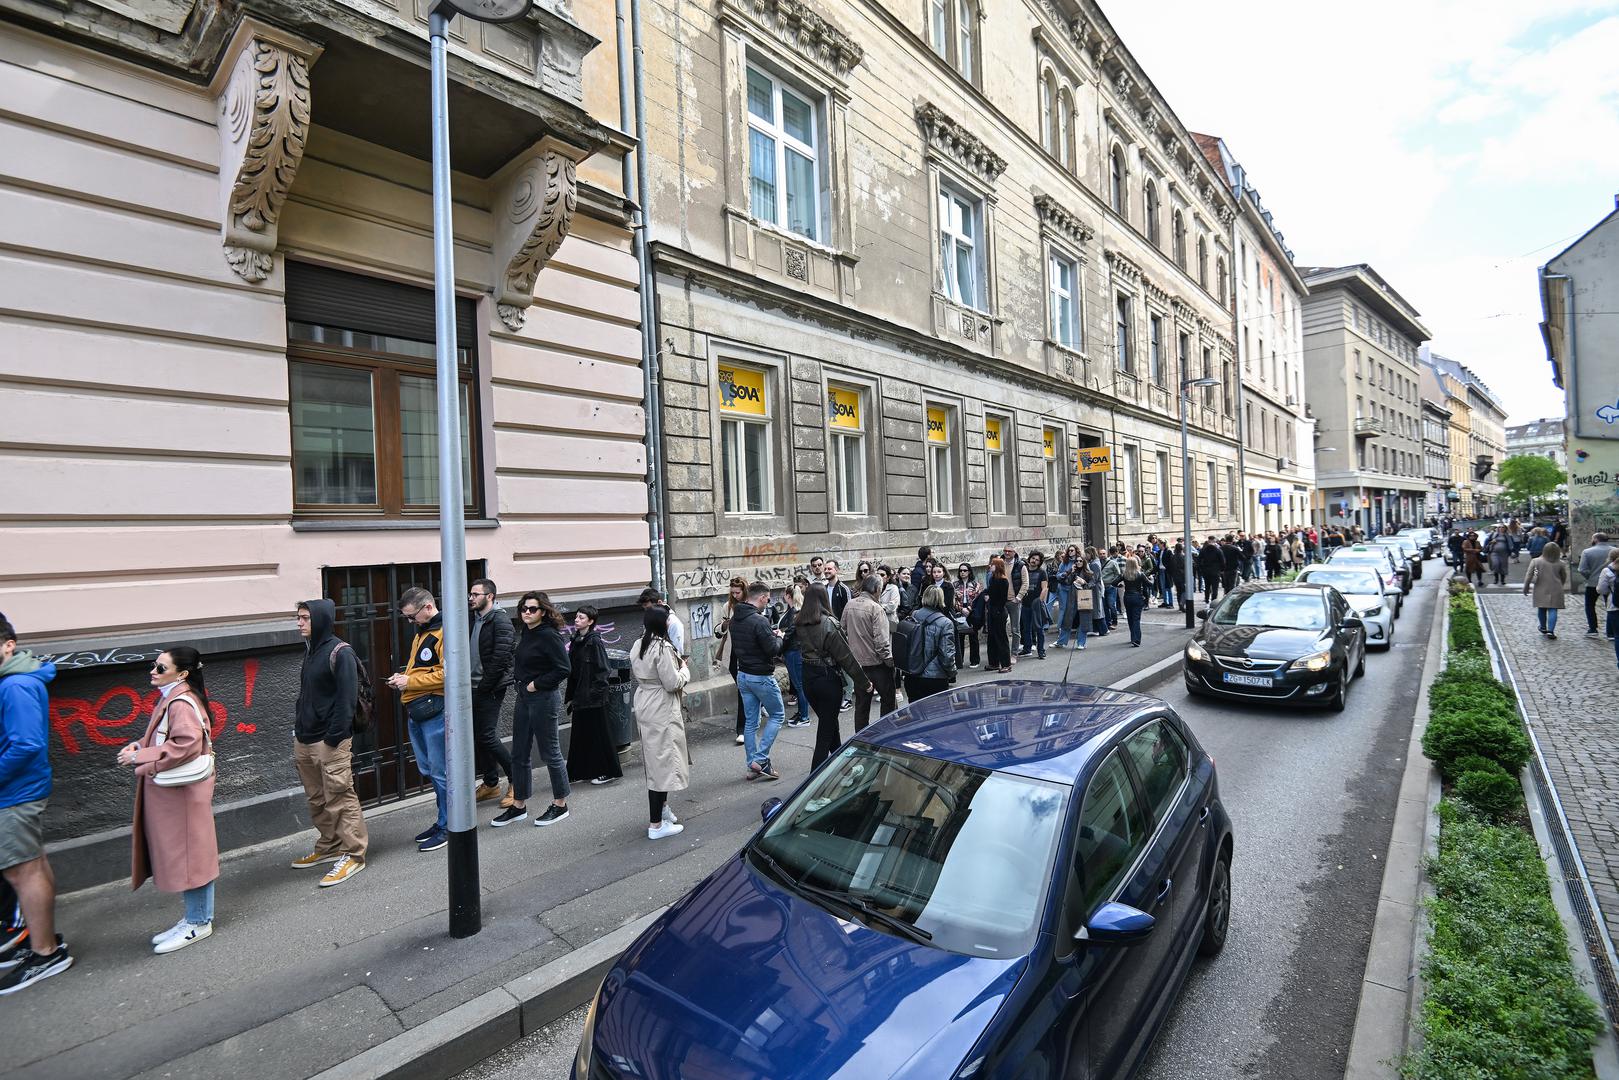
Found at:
(620, 690)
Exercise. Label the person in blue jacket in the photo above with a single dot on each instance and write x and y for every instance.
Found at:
(25, 788)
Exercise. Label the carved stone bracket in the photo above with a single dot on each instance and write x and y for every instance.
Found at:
(534, 213)
(1122, 267)
(1155, 291)
(263, 93)
(949, 138)
(1058, 218)
(804, 30)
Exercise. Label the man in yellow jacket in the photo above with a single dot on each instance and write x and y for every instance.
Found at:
(421, 690)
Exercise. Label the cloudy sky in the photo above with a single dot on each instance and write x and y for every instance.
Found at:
(1455, 146)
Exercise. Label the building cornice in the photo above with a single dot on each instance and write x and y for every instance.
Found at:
(801, 28)
(1058, 218)
(947, 137)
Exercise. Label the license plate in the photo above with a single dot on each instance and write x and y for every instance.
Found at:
(1249, 680)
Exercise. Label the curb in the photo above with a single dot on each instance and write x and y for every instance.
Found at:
(457, 1040)
(1391, 986)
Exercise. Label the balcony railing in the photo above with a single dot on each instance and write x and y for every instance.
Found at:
(1366, 427)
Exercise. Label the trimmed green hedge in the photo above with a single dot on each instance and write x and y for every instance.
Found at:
(1470, 711)
(1502, 1002)
(1466, 634)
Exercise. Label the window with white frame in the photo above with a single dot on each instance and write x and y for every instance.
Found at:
(1063, 297)
(941, 460)
(1230, 488)
(1208, 373)
(1177, 236)
(1048, 111)
(1051, 451)
(1164, 488)
(998, 461)
(953, 33)
(1130, 481)
(784, 159)
(1214, 489)
(961, 234)
(1065, 128)
(846, 449)
(1203, 262)
(1155, 348)
(745, 438)
(1149, 205)
(1122, 318)
(1118, 178)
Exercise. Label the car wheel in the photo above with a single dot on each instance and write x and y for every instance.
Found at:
(1217, 919)
(1340, 696)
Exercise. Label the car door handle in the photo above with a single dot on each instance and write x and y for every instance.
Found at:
(1203, 816)
(1163, 893)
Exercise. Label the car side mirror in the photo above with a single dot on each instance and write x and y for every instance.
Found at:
(1117, 924)
(1202, 613)
(1353, 622)
(769, 808)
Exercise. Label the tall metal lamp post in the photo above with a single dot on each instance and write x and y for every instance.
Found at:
(466, 913)
(1186, 498)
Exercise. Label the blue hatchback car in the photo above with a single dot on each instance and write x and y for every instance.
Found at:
(1007, 880)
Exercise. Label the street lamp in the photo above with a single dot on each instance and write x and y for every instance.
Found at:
(1186, 497)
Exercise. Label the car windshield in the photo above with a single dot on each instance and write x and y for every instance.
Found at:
(1370, 558)
(1345, 581)
(1289, 610)
(958, 852)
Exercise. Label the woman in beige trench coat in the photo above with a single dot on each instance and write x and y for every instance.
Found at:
(660, 676)
(173, 834)
(1546, 583)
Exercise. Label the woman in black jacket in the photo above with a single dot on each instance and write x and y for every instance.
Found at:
(540, 668)
(826, 654)
(998, 591)
(592, 754)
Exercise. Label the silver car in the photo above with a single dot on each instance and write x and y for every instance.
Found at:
(1384, 560)
(1364, 588)
(1427, 539)
(1408, 548)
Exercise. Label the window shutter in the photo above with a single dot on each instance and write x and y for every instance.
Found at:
(327, 297)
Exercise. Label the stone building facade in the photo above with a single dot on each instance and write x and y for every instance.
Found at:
(913, 261)
(1435, 450)
(1485, 445)
(218, 375)
(1362, 343)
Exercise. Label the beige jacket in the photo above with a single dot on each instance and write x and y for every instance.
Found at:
(865, 624)
(1547, 582)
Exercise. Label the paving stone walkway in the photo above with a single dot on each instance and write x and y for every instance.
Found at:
(1570, 690)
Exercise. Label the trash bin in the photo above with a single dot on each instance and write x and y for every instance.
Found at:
(620, 690)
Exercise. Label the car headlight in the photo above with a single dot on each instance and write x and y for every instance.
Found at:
(1372, 612)
(581, 1060)
(1319, 661)
(1196, 652)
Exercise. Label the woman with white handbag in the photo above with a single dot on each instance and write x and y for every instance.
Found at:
(173, 834)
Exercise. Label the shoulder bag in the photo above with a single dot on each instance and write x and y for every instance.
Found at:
(198, 768)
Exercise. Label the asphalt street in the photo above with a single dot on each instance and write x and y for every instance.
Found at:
(1312, 797)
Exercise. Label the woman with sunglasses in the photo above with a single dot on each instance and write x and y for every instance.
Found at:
(966, 590)
(862, 571)
(890, 597)
(660, 675)
(540, 668)
(173, 831)
(591, 753)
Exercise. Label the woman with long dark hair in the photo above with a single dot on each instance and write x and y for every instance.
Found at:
(540, 668)
(826, 653)
(791, 655)
(592, 754)
(967, 590)
(738, 592)
(173, 833)
(660, 675)
(998, 591)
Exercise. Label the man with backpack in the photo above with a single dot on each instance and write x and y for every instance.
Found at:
(329, 696)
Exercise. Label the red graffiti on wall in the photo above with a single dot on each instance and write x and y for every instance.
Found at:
(119, 716)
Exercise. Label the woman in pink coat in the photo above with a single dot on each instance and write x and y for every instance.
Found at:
(173, 834)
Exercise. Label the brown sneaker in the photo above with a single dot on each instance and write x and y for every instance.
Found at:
(486, 792)
(347, 866)
(315, 858)
(509, 799)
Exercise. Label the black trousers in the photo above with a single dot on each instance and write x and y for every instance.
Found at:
(489, 755)
(1000, 646)
(964, 638)
(882, 688)
(1591, 608)
(824, 686)
(1211, 588)
(917, 688)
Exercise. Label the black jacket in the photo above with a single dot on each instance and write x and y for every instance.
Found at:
(1210, 561)
(540, 658)
(587, 678)
(497, 639)
(753, 642)
(840, 596)
(327, 686)
(1233, 558)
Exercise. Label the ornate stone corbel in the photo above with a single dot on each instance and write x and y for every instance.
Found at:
(263, 93)
(535, 212)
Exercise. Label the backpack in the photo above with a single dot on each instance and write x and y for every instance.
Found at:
(916, 648)
(903, 641)
(365, 698)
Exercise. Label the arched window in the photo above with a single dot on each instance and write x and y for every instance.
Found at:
(1202, 262)
(1119, 177)
(1065, 128)
(1149, 202)
(1178, 239)
(1048, 109)
(1220, 281)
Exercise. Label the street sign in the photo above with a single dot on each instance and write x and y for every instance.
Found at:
(1095, 459)
(1270, 496)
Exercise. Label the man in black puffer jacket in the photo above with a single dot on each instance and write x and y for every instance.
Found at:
(756, 645)
(322, 750)
(494, 637)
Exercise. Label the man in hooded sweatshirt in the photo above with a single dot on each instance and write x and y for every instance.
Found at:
(25, 788)
(323, 744)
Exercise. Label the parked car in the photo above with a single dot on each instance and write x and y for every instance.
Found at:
(1377, 555)
(1264, 641)
(1407, 549)
(1427, 539)
(1008, 879)
(1371, 596)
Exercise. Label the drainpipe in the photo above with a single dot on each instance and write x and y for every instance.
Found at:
(635, 183)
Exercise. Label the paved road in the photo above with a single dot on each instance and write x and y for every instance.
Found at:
(1312, 798)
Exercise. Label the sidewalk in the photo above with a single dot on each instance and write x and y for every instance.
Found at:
(297, 979)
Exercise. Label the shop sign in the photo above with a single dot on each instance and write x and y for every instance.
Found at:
(843, 408)
(1049, 446)
(938, 426)
(742, 390)
(992, 434)
(1095, 459)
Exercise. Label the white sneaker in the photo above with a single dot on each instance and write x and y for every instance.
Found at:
(668, 828)
(158, 939)
(669, 815)
(740, 740)
(186, 934)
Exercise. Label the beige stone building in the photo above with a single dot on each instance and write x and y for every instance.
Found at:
(218, 377)
(913, 260)
(1485, 444)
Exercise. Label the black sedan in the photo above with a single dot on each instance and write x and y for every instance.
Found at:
(1301, 644)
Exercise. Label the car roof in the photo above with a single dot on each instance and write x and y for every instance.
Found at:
(1335, 570)
(1044, 730)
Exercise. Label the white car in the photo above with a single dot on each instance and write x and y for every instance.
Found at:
(1408, 548)
(1366, 592)
(1387, 563)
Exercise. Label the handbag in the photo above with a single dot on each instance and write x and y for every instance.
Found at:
(425, 707)
(198, 768)
(1083, 599)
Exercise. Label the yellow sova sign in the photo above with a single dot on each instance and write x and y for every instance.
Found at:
(742, 390)
(843, 408)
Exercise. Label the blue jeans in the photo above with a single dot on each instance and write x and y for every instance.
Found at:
(1034, 627)
(538, 718)
(1133, 603)
(1110, 601)
(760, 692)
(1547, 617)
(1167, 589)
(427, 743)
(795, 675)
(199, 904)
